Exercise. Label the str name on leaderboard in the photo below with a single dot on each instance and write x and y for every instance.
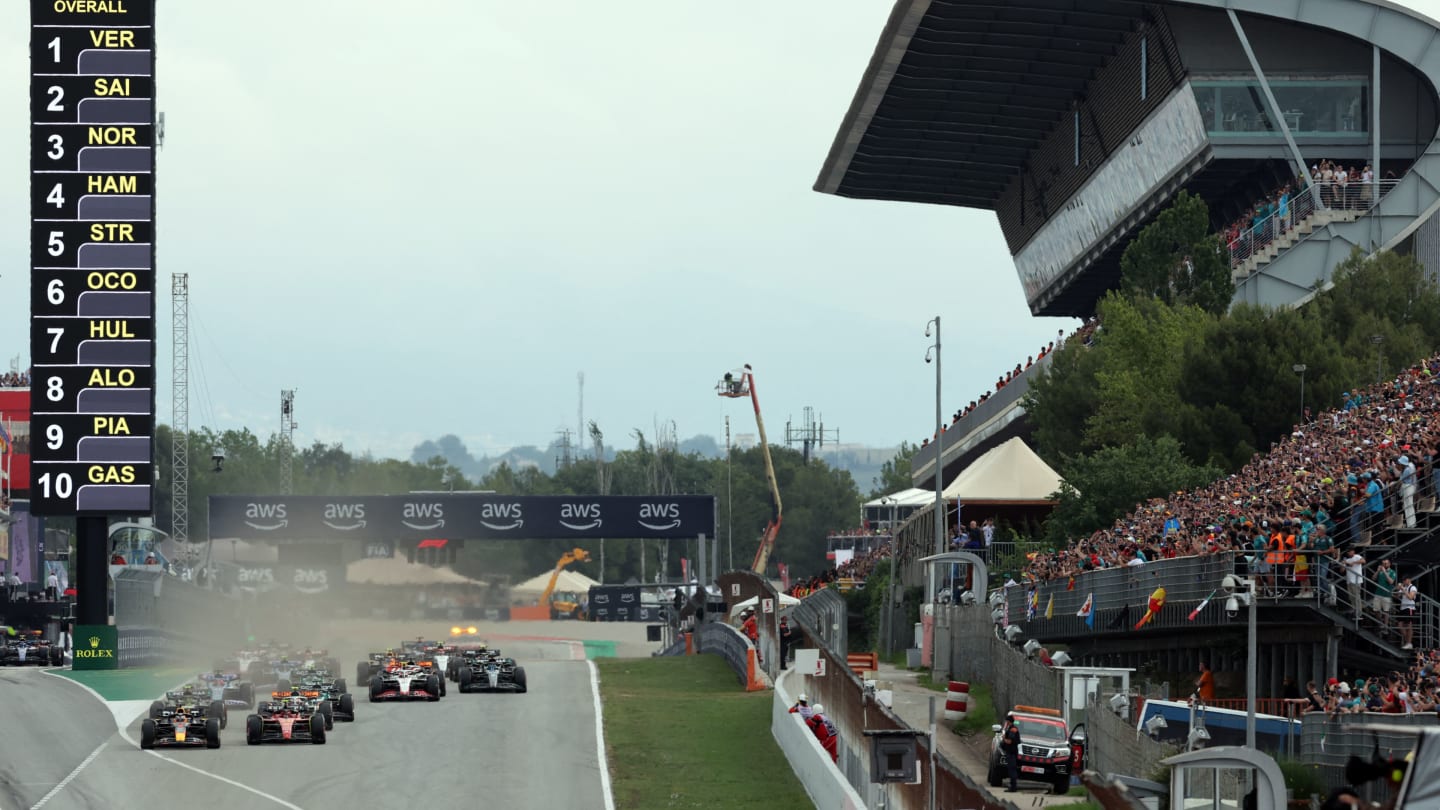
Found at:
(92, 250)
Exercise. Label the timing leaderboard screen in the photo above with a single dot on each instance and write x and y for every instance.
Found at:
(92, 256)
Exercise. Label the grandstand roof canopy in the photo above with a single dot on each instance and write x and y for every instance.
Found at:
(906, 497)
(959, 94)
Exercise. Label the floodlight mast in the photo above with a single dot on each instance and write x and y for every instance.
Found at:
(734, 386)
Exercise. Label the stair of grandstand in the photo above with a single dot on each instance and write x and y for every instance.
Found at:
(1315, 221)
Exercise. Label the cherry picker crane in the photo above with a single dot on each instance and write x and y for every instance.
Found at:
(735, 385)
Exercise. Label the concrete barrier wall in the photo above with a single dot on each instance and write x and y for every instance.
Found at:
(725, 641)
(827, 786)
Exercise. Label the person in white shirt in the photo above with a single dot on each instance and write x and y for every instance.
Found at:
(1408, 481)
(1355, 580)
(1409, 595)
(52, 588)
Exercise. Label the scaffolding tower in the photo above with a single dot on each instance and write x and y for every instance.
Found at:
(287, 439)
(180, 408)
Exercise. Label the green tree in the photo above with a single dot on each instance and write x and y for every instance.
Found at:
(1101, 486)
(1176, 259)
(1140, 368)
(895, 473)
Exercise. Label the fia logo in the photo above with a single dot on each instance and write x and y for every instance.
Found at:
(273, 515)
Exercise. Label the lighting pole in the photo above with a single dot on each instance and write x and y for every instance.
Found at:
(890, 600)
(1251, 670)
(1378, 340)
(939, 454)
(1299, 368)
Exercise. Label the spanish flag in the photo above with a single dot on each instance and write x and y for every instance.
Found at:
(1157, 601)
(1070, 586)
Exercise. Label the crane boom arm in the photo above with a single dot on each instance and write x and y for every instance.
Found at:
(772, 529)
(574, 555)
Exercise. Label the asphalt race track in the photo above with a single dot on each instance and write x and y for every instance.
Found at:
(501, 750)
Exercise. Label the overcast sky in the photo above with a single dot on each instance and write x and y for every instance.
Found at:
(429, 223)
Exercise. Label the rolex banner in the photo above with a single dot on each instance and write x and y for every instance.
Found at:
(95, 647)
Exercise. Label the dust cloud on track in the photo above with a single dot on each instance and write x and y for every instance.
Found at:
(506, 750)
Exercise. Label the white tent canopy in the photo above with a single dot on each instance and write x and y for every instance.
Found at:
(906, 497)
(568, 581)
(786, 600)
(1008, 473)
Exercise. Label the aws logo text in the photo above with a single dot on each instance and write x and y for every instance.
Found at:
(423, 516)
(497, 512)
(653, 516)
(580, 516)
(344, 516)
(266, 517)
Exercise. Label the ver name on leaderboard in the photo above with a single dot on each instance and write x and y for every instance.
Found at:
(92, 256)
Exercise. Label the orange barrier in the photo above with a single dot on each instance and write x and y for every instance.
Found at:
(753, 682)
(689, 643)
(860, 662)
(957, 700)
(533, 613)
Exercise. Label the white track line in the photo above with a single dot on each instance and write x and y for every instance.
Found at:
(125, 735)
(600, 737)
(70, 777)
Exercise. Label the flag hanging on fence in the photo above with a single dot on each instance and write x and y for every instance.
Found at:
(1157, 601)
(1087, 611)
(1070, 586)
(1201, 606)
(1050, 607)
(1032, 604)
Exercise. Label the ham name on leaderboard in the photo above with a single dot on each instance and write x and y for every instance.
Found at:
(92, 256)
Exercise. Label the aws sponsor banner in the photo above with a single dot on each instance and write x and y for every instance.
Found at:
(616, 603)
(306, 579)
(96, 647)
(459, 516)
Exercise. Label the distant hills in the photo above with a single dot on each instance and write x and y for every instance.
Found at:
(863, 463)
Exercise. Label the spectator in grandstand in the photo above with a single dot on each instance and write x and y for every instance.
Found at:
(1409, 596)
(1329, 473)
(14, 379)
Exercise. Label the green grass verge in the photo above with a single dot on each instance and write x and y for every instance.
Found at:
(680, 733)
(129, 684)
(930, 683)
(981, 714)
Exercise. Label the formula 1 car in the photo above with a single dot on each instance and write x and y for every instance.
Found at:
(180, 726)
(228, 688)
(193, 701)
(492, 672)
(406, 681)
(285, 719)
(338, 703)
(29, 649)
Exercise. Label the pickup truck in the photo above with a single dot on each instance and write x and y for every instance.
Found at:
(1046, 753)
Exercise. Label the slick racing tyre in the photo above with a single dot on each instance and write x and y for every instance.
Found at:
(212, 732)
(147, 734)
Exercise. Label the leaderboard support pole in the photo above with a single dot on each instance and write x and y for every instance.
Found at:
(92, 571)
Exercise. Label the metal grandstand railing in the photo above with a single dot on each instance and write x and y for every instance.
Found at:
(1301, 207)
